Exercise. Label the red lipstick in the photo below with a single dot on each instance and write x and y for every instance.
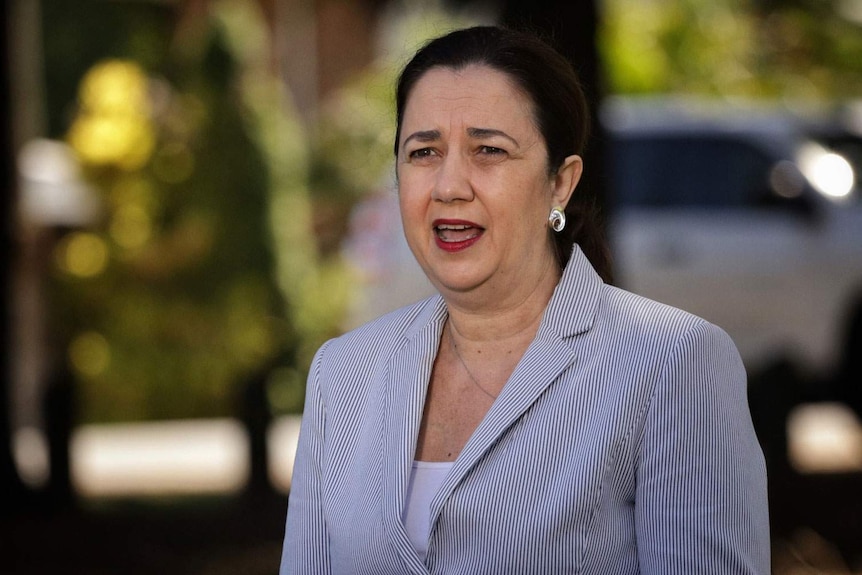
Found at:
(456, 235)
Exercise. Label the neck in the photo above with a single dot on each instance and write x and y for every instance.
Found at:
(480, 321)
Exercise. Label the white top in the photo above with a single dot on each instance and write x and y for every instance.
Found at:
(426, 477)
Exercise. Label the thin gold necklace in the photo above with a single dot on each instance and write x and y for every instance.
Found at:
(467, 369)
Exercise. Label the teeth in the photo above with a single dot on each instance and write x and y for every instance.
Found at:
(453, 227)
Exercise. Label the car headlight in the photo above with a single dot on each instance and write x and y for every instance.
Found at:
(829, 173)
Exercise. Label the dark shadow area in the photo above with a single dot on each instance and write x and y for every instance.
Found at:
(192, 536)
(816, 518)
(53, 531)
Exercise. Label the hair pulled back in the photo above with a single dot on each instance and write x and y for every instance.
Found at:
(559, 105)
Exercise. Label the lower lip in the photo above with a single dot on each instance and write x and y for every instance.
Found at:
(452, 247)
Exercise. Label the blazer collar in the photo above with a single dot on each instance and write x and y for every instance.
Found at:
(573, 306)
(571, 311)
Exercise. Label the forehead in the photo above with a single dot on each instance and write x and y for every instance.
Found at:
(477, 94)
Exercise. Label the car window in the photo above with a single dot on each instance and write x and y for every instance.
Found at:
(663, 171)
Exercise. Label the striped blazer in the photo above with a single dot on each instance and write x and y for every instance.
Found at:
(621, 444)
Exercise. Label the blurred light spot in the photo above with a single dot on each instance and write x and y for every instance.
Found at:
(83, 254)
(31, 456)
(52, 192)
(115, 87)
(824, 438)
(90, 354)
(48, 161)
(113, 126)
(282, 440)
(155, 458)
(786, 180)
(131, 226)
(851, 10)
(174, 163)
(125, 141)
(831, 174)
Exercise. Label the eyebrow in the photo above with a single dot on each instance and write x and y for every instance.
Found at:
(484, 133)
(422, 136)
(475, 133)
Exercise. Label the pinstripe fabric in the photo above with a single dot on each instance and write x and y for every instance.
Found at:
(621, 444)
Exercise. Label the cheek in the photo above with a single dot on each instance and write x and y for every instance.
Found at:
(412, 211)
(411, 194)
(530, 203)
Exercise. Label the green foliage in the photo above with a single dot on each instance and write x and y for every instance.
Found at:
(203, 272)
(796, 50)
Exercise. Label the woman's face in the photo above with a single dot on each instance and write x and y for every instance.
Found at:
(474, 186)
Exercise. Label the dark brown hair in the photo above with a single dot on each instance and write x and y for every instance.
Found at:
(560, 109)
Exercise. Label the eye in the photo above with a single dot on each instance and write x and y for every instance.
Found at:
(491, 150)
(421, 153)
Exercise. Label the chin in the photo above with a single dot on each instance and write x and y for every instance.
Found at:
(456, 283)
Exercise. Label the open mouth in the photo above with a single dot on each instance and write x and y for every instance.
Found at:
(455, 233)
(455, 236)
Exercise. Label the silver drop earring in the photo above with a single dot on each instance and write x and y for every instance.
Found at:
(557, 219)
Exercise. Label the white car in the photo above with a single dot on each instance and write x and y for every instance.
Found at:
(739, 216)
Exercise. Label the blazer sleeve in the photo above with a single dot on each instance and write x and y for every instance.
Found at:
(305, 542)
(701, 501)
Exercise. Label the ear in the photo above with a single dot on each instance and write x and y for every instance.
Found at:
(566, 180)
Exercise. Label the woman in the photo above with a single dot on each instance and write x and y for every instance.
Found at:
(530, 418)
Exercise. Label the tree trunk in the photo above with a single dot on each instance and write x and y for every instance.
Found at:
(12, 490)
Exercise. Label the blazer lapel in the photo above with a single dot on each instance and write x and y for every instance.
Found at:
(571, 311)
(407, 377)
(543, 362)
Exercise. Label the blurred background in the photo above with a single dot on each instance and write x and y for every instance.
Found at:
(198, 193)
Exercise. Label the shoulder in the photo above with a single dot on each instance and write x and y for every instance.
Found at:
(619, 325)
(643, 329)
(349, 372)
(636, 312)
(381, 336)
(583, 304)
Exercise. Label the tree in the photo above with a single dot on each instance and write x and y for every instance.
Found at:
(791, 50)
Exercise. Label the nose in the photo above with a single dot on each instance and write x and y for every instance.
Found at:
(453, 180)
